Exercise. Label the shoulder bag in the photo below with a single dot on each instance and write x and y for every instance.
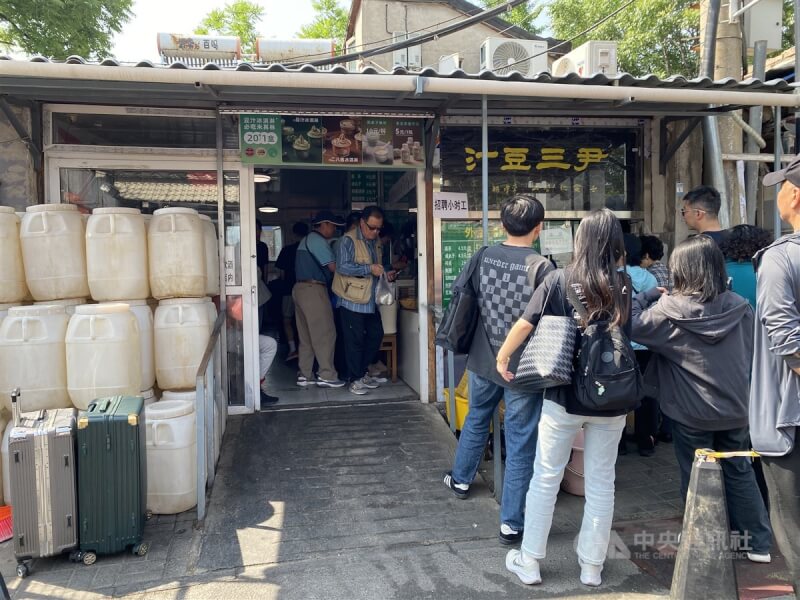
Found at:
(461, 318)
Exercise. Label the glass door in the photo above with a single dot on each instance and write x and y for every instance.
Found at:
(150, 184)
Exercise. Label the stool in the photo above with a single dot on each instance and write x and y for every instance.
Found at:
(389, 345)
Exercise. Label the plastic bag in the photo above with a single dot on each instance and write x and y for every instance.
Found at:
(384, 295)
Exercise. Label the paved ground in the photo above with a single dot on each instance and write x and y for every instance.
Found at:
(345, 501)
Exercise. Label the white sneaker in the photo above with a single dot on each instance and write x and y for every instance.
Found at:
(524, 567)
(330, 383)
(759, 558)
(368, 382)
(304, 382)
(358, 388)
(590, 574)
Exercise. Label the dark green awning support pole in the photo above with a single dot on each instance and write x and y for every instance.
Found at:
(497, 455)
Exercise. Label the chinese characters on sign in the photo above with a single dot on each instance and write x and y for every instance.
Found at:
(517, 159)
(450, 205)
(332, 140)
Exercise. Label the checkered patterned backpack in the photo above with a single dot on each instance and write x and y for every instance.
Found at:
(547, 360)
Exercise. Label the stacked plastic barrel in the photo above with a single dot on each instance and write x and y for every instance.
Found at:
(63, 351)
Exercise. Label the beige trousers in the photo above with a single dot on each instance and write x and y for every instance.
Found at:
(316, 330)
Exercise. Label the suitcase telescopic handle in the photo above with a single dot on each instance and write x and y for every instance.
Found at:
(15, 394)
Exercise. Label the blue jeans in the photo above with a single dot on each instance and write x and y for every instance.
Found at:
(746, 510)
(521, 423)
(557, 430)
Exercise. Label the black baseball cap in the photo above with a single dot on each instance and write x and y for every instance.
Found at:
(326, 216)
(790, 173)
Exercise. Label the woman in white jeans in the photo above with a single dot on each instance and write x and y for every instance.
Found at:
(605, 292)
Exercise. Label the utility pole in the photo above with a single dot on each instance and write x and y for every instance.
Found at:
(722, 60)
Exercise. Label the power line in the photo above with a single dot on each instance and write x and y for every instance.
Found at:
(574, 37)
(482, 16)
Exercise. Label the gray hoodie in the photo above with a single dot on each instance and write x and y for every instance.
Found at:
(701, 356)
(775, 394)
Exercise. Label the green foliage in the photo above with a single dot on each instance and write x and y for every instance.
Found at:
(239, 18)
(654, 36)
(523, 16)
(59, 28)
(330, 23)
(788, 24)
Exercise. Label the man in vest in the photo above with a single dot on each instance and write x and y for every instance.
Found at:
(314, 267)
(358, 267)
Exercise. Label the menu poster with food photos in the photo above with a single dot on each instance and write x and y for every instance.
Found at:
(302, 139)
(335, 141)
(342, 141)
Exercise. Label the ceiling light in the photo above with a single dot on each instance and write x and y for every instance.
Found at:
(268, 209)
(258, 178)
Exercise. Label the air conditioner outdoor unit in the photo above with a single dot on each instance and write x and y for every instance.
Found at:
(589, 59)
(504, 55)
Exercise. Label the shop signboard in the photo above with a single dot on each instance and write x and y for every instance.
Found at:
(567, 169)
(334, 141)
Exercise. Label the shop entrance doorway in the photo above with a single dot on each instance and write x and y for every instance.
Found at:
(286, 202)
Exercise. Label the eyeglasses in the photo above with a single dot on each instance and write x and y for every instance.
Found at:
(372, 228)
(685, 210)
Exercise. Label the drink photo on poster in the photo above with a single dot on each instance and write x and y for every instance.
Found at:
(378, 135)
(407, 144)
(302, 139)
(343, 140)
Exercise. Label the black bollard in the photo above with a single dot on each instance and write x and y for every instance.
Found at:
(704, 564)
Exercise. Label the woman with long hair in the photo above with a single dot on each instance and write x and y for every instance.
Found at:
(597, 276)
(701, 337)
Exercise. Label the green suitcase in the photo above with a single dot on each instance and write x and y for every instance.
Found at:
(112, 478)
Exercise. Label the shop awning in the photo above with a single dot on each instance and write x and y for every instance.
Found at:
(279, 89)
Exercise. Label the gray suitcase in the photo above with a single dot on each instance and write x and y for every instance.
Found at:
(41, 461)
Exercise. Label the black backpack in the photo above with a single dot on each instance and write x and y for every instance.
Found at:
(607, 376)
(462, 316)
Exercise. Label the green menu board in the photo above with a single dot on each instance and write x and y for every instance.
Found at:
(260, 139)
(460, 240)
(364, 187)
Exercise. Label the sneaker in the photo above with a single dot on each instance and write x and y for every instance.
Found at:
(590, 574)
(368, 382)
(358, 388)
(509, 536)
(759, 558)
(461, 490)
(304, 381)
(291, 356)
(377, 369)
(376, 380)
(524, 567)
(267, 399)
(330, 383)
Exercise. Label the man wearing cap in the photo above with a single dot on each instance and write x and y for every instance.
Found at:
(775, 378)
(315, 265)
(358, 267)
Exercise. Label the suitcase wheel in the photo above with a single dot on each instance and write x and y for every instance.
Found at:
(141, 549)
(22, 570)
(89, 558)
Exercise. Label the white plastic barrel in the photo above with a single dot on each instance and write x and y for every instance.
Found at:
(4, 455)
(219, 422)
(4, 310)
(144, 317)
(212, 311)
(180, 333)
(103, 353)
(53, 243)
(176, 254)
(212, 256)
(32, 357)
(116, 254)
(69, 304)
(171, 433)
(12, 271)
(149, 396)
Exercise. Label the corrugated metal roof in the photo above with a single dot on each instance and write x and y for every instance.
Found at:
(621, 79)
(68, 87)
